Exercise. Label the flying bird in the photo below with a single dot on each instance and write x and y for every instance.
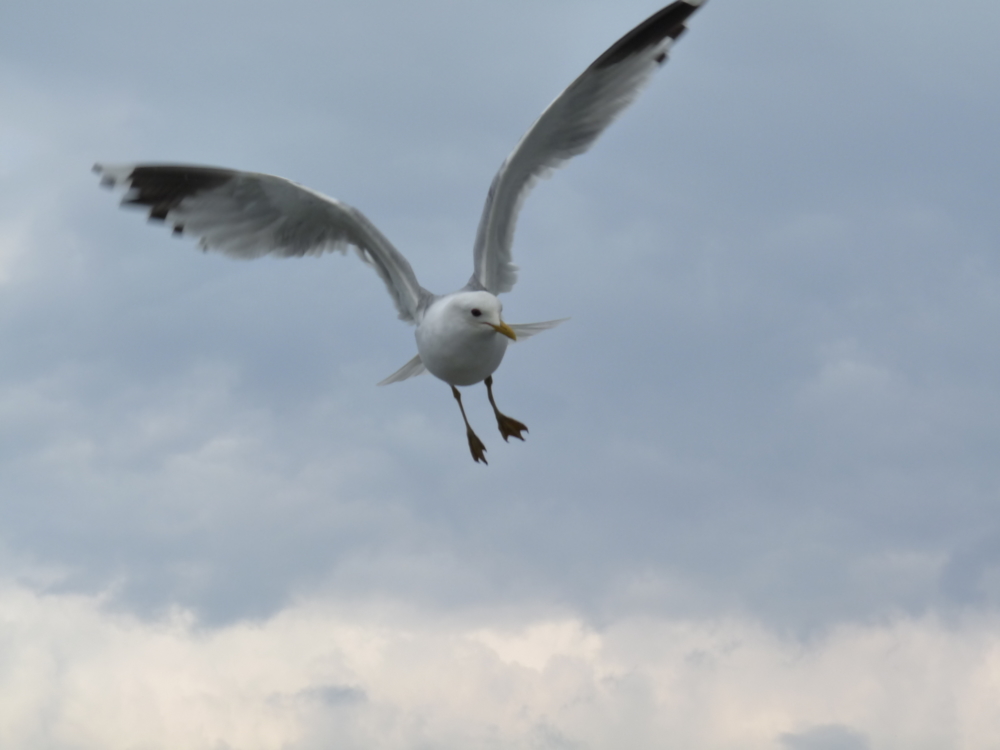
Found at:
(461, 337)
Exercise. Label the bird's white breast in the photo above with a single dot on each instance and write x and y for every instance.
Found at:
(455, 351)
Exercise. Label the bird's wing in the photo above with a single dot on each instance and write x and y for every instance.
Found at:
(410, 370)
(248, 215)
(568, 127)
(527, 330)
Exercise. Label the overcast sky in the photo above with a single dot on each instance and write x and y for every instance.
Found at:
(759, 504)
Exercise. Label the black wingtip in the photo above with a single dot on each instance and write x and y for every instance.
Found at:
(665, 23)
(157, 213)
(107, 181)
(162, 187)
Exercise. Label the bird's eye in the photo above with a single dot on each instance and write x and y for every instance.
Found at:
(476, 312)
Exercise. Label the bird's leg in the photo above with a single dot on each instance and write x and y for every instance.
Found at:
(475, 444)
(508, 427)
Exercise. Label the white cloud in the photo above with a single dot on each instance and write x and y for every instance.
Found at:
(322, 674)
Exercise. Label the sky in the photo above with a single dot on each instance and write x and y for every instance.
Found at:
(759, 503)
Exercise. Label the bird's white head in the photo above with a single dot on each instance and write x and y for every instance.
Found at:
(481, 310)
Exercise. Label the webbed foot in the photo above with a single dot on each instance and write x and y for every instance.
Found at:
(477, 448)
(510, 427)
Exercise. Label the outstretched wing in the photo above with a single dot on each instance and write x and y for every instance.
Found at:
(247, 215)
(568, 127)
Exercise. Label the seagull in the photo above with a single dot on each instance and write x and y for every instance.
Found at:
(461, 337)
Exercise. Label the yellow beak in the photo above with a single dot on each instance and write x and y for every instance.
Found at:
(505, 329)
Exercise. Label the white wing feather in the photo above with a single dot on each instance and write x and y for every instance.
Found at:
(567, 128)
(527, 330)
(410, 370)
(248, 215)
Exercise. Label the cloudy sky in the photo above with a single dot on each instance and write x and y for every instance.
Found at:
(759, 505)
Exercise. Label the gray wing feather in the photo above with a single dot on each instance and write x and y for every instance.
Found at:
(410, 370)
(527, 330)
(567, 128)
(249, 215)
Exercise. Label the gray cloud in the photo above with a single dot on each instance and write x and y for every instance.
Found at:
(777, 393)
(832, 737)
